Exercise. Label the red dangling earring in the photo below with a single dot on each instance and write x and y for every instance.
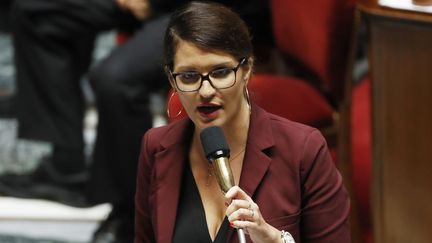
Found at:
(169, 106)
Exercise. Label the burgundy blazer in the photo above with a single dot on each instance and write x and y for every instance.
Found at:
(287, 170)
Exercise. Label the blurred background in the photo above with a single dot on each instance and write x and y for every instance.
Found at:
(32, 220)
(35, 220)
(360, 71)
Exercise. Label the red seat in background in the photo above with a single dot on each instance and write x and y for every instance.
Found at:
(361, 151)
(314, 40)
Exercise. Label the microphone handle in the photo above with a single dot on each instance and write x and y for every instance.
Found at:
(241, 235)
(223, 173)
(225, 180)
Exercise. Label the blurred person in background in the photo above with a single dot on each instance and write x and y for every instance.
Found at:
(53, 43)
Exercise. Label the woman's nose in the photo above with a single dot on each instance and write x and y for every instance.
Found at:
(207, 90)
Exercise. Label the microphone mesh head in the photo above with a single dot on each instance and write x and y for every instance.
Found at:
(214, 142)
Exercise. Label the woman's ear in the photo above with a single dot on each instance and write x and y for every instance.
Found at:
(248, 69)
(171, 81)
(170, 77)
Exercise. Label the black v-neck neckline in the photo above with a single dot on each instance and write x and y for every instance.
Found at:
(191, 224)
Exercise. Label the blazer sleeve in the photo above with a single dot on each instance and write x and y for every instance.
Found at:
(325, 201)
(143, 225)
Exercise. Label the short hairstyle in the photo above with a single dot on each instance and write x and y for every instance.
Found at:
(208, 25)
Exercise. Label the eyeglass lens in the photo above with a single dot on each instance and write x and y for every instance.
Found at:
(219, 78)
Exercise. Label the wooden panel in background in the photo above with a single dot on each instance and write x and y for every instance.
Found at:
(401, 69)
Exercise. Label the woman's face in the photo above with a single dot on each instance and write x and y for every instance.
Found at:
(209, 105)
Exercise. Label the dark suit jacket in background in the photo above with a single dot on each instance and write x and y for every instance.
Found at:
(287, 170)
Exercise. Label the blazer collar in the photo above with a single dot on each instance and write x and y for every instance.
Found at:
(169, 165)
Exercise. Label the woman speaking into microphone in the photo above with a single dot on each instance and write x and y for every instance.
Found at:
(287, 187)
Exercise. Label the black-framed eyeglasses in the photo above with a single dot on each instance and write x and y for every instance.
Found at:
(220, 78)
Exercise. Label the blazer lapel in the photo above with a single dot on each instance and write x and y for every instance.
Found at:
(169, 165)
(256, 162)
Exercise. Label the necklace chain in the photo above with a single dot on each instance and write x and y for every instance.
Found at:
(210, 168)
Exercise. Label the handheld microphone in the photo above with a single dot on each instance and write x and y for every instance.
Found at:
(217, 151)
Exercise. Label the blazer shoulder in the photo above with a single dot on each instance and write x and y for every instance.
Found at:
(164, 136)
(157, 132)
(284, 126)
(301, 140)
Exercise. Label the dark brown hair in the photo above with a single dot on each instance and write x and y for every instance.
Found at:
(208, 25)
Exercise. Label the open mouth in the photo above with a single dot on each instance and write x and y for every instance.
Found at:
(208, 109)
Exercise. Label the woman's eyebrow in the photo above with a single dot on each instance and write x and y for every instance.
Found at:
(208, 68)
(186, 68)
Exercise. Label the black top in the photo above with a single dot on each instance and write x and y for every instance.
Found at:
(191, 225)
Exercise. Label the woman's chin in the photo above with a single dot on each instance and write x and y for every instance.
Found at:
(207, 122)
